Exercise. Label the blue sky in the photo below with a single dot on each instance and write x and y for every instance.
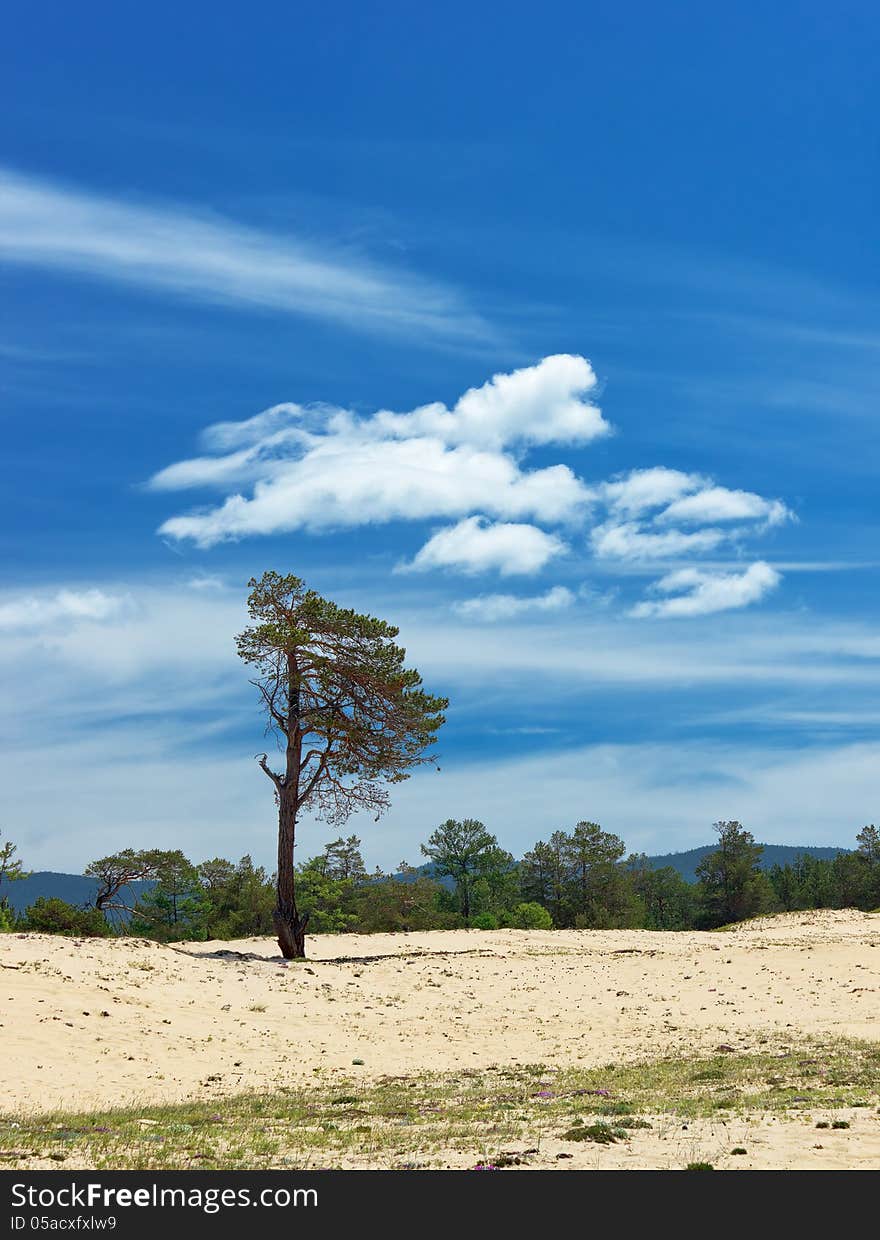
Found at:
(549, 336)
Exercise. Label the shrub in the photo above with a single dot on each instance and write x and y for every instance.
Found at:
(600, 1133)
(485, 921)
(532, 916)
(7, 919)
(49, 915)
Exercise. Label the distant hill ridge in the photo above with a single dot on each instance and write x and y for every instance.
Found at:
(76, 889)
(774, 854)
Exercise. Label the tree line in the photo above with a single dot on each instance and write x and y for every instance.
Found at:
(350, 719)
(579, 879)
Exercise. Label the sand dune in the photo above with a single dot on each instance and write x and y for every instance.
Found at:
(90, 1022)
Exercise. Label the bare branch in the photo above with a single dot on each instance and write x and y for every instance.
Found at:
(313, 782)
(263, 761)
(269, 696)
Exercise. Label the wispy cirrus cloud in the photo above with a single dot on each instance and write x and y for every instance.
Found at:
(628, 540)
(201, 255)
(493, 607)
(156, 704)
(38, 612)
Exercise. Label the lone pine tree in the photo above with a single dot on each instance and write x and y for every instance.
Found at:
(349, 716)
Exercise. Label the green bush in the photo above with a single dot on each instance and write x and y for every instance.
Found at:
(485, 921)
(49, 915)
(532, 916)
(601, 1133)
(7, 919)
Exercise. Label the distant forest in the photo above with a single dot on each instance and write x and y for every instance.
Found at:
(580, 879)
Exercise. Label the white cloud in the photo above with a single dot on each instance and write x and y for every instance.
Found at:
(720, 504)
(202, 256)
(642, 489)
(631, 541)
(542, 404)
(475, 546)
(249, 450)
(327, 468)
(35, 612)
(251, 432)
(345, 483)
(320, 468)
(493, 607)
(646, 505)
(700, 593)
(207, 581)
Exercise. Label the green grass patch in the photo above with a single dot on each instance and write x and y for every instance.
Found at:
(454, 1118)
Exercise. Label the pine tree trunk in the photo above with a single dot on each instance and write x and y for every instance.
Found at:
(291, 931)
(289, 926)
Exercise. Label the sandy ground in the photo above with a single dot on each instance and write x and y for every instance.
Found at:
(770, 1142)
(93, 1022)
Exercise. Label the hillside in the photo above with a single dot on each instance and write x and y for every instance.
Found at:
(774, 854)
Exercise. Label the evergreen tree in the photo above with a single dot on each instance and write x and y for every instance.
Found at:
(239, 899)
(557, 858)
(732, 886)
(466, 851)
(176, 908)
(407, 901)
(868, 854)
(11, 871)
(536, 875)
(49, 915)
(343, 860)
(666, 899)
(598, 893)
(326, 898)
